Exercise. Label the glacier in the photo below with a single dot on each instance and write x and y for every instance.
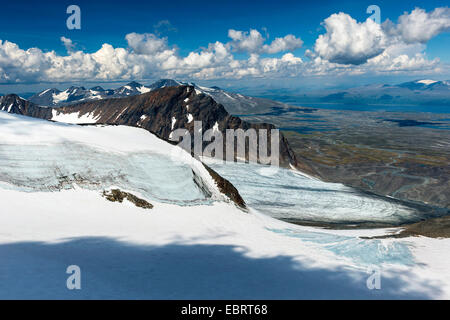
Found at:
(194, 243)
(64, 165)
(98, 158)
(287, 194)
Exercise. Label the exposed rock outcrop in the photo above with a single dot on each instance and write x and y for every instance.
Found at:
(227, 188)
(116, 195)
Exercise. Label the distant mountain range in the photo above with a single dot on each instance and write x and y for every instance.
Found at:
(235, 103)
(423, 92)
(54, 97)
(429, 85)
(418, 92)
(415, 92)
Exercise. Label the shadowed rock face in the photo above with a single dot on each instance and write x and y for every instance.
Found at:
(14, 104)
(164, 110)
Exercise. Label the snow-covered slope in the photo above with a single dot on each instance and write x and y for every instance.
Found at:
(52, 156)
(192, 249)
(206, 252)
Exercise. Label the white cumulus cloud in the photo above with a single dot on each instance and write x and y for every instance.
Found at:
(254, 42)
(68, 44)
(421, 26)
(347, 47)
(246, 41)
(146, 43)
(287, 43)
(348, 41)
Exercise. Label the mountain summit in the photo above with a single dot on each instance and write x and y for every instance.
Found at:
(159, 111)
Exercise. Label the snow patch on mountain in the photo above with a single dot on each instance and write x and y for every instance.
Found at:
(60, 97)
(74, 118)
(143, 89)
(427, 82)
(174, 121)
(44, 92)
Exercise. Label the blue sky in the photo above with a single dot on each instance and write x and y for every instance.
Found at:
(194, 24)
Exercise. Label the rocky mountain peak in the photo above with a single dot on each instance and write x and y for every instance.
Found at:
(161, 111)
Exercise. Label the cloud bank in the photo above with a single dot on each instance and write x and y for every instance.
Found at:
(346, 47)
(347, 41)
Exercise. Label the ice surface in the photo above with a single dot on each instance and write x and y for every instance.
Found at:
(286, 194)
(364, 252)
(56, 167)
(37, 155)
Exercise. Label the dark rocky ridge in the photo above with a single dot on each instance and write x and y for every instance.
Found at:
(227, 188)
(14, 104)
(154, 112)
